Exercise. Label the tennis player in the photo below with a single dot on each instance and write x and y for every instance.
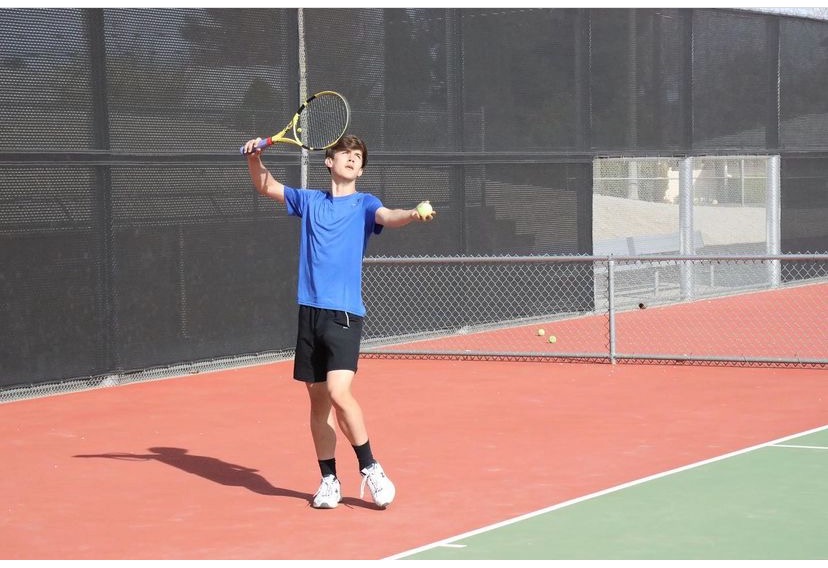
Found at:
(336, 225)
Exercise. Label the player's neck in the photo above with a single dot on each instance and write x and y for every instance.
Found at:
(342, 187)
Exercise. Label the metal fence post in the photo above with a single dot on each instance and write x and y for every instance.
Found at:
(611, 307)
(773, 216)
(303, 90)
(686, 244)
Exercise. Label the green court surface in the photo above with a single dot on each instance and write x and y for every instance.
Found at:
(769, 502)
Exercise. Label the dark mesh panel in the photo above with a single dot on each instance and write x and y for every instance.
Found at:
(47, 199)
(731, 91)
(534, 209)
(804, 65)
(190, 292)
(418, 112)
(345, 53)
(804, 204)
(519, 78)
(195, 80)
(204, 265)
(51, 324)
(637, 67)
(49, 309)
(165, 195)
(45, 85)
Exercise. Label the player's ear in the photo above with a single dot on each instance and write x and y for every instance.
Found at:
(328, 162)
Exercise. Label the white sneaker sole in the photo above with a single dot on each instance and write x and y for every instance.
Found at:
(387, 503)
(326, 505)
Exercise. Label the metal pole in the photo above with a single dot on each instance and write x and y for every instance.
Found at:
(742, 178)
(632, 179)
(611, 308)
(303, 89)
(773, 218)
(686, 245)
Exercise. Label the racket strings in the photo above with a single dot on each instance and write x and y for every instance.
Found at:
(323, 121)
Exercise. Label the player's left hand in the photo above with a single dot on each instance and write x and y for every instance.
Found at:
(424, 212)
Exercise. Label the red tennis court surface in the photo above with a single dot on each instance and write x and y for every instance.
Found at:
(220, 465)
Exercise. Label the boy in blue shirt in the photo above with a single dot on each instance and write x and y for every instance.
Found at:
(336, 226)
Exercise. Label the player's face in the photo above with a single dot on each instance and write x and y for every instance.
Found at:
(346, 164)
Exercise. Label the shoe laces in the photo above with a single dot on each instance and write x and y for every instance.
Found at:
(328, 486)
(372, 476)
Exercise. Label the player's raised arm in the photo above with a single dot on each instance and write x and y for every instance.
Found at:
(261, 177)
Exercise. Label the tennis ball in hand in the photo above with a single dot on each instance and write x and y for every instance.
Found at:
(424, 210)
(552, 339)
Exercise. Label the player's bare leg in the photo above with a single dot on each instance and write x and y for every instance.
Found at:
(352, 423)
(322, 423)
(348, 412)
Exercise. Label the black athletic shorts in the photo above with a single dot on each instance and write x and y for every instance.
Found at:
(326, 340)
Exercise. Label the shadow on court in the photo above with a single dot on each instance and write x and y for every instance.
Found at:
(214, 469)
(221, 472)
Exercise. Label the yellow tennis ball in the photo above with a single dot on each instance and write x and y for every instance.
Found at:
(552, 339)
(424, 209)
(541, 331)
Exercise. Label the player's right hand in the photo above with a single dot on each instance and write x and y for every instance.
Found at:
(249, 148)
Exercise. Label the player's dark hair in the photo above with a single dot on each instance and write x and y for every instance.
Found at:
(349, 142)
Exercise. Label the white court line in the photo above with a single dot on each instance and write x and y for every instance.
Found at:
(800, 447)
(449, 541)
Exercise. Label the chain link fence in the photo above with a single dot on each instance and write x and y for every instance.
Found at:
(769, 309)
(752, 310)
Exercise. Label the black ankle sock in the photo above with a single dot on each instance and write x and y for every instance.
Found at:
(328, 467)
(364, 455)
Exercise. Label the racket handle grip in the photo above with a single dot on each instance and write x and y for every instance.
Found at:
(263, 143)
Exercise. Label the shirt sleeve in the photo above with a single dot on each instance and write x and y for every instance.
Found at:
(296, 201)
(372, 203)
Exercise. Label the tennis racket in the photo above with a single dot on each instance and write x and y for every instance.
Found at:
(318, 124)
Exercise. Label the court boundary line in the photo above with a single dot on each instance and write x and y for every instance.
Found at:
(800, 447)
(450, 542)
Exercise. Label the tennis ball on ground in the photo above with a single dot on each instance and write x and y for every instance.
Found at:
(552, 339)
(424, 209)
(541, 332)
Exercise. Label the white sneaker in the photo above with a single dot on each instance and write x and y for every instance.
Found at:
(329, 493)
(382, 490)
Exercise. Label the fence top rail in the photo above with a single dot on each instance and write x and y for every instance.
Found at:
(551, 259)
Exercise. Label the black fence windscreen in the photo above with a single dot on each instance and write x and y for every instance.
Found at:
(131, 236)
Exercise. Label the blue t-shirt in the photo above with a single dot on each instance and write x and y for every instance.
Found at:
(335, 232)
